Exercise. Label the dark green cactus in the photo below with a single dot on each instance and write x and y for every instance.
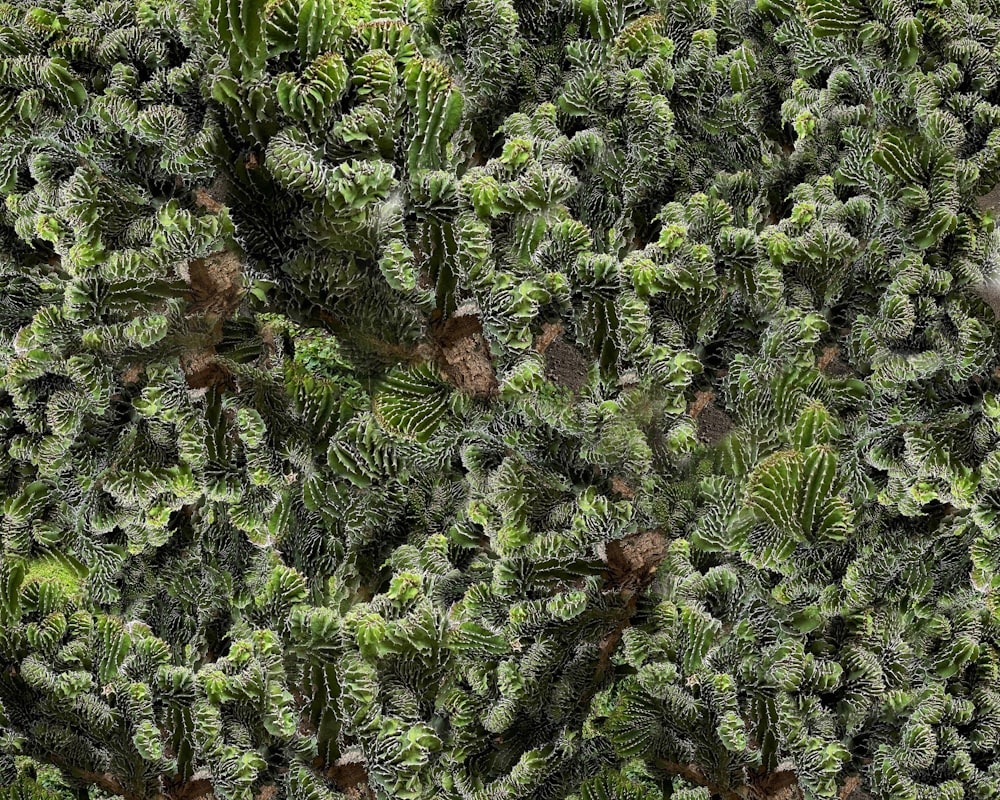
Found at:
(482, 399)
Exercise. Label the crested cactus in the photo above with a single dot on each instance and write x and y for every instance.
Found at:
(482, 399)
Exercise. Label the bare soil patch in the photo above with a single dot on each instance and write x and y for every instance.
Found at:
(212, 198)
(216, 291)
(832, 364)
(778, 785)
(463, 355)
(622, 489)
(132, 374)
(202, 370)
(550, 332)
(351, 778)
(633, 560)
(712, 422)
(215, 283)
(990, 201)
(565, 364)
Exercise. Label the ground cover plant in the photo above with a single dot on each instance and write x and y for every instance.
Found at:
(500, 399)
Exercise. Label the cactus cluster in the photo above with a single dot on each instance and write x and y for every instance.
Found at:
(500, 399)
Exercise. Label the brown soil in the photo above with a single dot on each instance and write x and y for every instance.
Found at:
(198, 789)
(269, 346)
(352, 779)
(829, 353)
(463, 356)
(622, 489)
(633, 561)
(606, 647)
(990, 201)
(779, 785)
(212, 198)
(713, 424)
(701, 399)
(201, 789)
(832, 364)
(550, 332)
(565, 365)
(132, 374)
(216, 291)
(215, 283)
(202, 370)
(205, 200)
(852, 790)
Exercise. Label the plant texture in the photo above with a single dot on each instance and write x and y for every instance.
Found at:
(500, 399)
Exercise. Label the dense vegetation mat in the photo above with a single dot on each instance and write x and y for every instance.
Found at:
(501, 399)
